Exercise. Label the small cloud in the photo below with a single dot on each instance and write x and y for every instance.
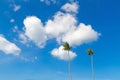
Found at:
(15, 29)
(16, 7)
(12, 20)
(8, 47)
(24, 59)
(70, 7)
(34, 59)
(48, 2)
(60, 53)
(23, 38)
(54, 1)
(28, 59)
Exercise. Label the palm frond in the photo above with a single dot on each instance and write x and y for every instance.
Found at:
(66, 46)
(90, 52)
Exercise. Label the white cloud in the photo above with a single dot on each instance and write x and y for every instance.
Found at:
(48, 2)
(23, 38)
(61, 24)
(54, 1)
(24, 58)
(15, 29)
(70, 7)
(34, 31)
(81, 34)
(16, 7)
(12, 20)
(60, 53)
(7, 47)
(28, 59)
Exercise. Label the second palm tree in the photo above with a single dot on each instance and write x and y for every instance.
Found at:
(90, 53)
(67, 47)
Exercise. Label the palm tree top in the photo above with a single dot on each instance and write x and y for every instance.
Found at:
(90, 52)
(66, 46)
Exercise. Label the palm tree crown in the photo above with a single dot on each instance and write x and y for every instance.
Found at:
(66, 46)
(90, 52)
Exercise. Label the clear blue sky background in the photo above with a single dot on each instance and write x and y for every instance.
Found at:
(103, 15)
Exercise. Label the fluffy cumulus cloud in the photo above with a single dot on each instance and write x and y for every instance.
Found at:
(81, 34)
(34, 31)
(61, 24)
(63, 27)
(60, 53)
(73, 7)
(7, 47)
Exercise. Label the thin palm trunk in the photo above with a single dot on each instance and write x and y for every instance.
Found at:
(69, 66)
(92, 66)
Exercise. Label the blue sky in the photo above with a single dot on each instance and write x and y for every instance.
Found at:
(32, 33)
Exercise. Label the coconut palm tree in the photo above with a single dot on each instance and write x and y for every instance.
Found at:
(67, 47)
(90, 53)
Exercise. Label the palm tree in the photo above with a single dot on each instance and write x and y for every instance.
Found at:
(67, 47)
(90, 53)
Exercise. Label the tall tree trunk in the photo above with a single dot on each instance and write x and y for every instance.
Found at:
(92, 66)
(69, 66)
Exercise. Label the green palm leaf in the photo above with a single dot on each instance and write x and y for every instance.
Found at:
(90, 52)
(66, 46)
